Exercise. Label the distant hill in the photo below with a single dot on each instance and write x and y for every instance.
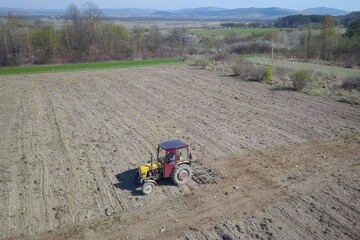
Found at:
(349, 18)
(240, 13)
(324, 11)
(31, 12)
(128, 12)
(188, 13)
(201, 9)
(294, 21)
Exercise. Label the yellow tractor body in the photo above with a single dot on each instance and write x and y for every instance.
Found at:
(145, 169)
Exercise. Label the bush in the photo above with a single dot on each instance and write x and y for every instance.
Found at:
(197, 60)
(231, 38)
(281, 73)
(237, 70)
(351, 83)
(220, 56)
(249, 71)
(300, 79)
(268, 74)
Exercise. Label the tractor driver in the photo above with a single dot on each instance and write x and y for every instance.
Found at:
(170, 158)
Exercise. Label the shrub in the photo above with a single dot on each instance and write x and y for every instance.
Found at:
(249, 71)
(300, 79)
(257, 73)
(197, 60)
(268, 74)
(281, 73)
(237, 70)
(231, 38)
(201, 62)
(220, 56)
(351, 83)
(184, 58)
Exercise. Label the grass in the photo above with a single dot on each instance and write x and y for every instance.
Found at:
(85, 66)
(223, 32)
(326, 80)
(339, 72)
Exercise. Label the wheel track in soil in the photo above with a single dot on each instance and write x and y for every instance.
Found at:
(263, 207)
(79, 119)
(7, 170)
(92, 169)
(89, 127)
(67, 173)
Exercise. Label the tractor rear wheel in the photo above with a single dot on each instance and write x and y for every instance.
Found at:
(147, 188)
(182, 174)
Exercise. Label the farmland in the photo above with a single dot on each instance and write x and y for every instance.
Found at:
(222, 33)
(70, 140)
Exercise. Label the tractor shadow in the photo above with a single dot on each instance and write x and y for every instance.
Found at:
(127, 182)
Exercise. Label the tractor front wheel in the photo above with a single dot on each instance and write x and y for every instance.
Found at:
(147, 188)
(182, 174)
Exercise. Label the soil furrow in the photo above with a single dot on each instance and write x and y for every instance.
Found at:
(70, 143)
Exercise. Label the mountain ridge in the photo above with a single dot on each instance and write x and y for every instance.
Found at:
(324, 11)
(191, 13)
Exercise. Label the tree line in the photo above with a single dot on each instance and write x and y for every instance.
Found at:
(294, 21)
(330, 45)
(320, 40)
(81, 36)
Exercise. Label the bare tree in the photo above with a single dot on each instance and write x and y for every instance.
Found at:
(328, 38)
(178, 37)
(305, 39)
(91, 19)
(138, 36)
(92, 13)
(80, 27)
(154, 38)
(72, 27)
(11, 41)
(272, 37)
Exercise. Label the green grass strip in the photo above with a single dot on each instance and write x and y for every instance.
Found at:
(223, 32)
(85, 66)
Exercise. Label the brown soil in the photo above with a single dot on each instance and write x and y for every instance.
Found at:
(70, 141)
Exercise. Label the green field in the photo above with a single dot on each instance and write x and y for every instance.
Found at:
(223, 32)
(85, 66)
(315, 67)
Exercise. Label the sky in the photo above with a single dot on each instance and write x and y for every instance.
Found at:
(348, 5)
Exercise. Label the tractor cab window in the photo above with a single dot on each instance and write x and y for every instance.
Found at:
(182, 154)
(161, 155)
(170, 158)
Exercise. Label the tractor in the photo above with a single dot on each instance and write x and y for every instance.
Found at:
(172, 161)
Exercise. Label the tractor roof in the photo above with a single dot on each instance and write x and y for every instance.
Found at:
(173, 144)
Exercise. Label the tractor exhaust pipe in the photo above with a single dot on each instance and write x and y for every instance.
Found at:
(151, 161)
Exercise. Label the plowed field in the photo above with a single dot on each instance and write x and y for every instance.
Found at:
(69, 143)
